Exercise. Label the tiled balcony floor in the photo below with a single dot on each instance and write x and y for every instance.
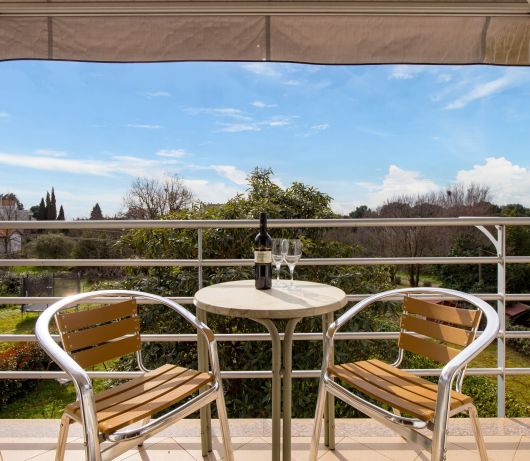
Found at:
(506, 439)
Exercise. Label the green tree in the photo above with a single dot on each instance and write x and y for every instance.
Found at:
(43, 212)
(51, 206)
(96, 213)
(246, 398)
(60, 216)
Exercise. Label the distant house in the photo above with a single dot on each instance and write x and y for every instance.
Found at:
(11, 239)
(519, 313)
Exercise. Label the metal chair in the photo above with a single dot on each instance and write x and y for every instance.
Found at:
(429, 329)
(92, 336)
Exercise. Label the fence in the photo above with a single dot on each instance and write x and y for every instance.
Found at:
(501, 260)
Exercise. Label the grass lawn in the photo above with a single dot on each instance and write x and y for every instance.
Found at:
(518, 386)
(13, 322)
(47, 400)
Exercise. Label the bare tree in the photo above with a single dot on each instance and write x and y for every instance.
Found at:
(152, 198)
(458, 200)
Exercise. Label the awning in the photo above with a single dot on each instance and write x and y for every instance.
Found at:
(324, 32)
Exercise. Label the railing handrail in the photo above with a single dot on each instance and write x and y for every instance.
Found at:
(273, 223)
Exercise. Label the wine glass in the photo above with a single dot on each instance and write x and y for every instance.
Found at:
(278, 256)
(292, 256)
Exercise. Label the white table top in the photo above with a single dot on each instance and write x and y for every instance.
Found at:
(241, 299)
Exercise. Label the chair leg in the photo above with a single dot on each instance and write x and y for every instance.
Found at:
(225, 428)
(63, 435)
(478, 433)
(143, 439)
(317, 425)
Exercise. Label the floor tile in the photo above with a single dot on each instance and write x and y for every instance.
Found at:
(193, 446)
(523, 449)
(394, 448)
(24, 448)
(351, 449)
(300, 447)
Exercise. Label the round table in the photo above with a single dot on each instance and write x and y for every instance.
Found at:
(305, 299)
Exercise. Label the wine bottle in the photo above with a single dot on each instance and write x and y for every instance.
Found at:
(263, 255)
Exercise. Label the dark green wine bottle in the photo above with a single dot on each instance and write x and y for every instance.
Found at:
(263, 256)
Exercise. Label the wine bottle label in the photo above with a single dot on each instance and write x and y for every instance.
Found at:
(263, 257)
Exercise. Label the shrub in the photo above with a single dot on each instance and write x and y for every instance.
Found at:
(22, 357)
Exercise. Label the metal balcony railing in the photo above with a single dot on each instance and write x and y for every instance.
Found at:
(501, 260)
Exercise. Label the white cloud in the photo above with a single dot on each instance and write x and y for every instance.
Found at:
(238, 127)
(292, 82)
(277, 121)
(406, 71)
(51, 153)
(157, 94)
(231, 172)
(211, 192)
(320, 127)
(395, 183)
(219, 112)
(172, 153)
(116, 165)
(372, 131)
(262, 105)
(444, 78)
(508, 183)
(480, 91)
(473, 89)
(4, 115)
(267, 69)
(143, 126)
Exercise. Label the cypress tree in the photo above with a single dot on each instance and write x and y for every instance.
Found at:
(52, 210)
(60, 217)
(48, 206)
(96, 213)
(42, 214)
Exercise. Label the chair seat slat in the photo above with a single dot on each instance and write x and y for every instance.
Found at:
(127, 405)
(411, 378)
(161, 402)
(124, 387)
(383, 382)
(380, 394)
(410, 393)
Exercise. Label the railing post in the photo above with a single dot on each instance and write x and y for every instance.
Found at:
(501, 308)
(202, 349)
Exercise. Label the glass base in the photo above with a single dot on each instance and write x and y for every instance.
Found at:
(279, 283)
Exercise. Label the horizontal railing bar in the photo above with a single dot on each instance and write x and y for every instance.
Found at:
(245, 337)
(272, 223)
(244, 374)
(189, 299)
(133, 262)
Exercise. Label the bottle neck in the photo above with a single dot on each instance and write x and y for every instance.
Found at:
(263, 223)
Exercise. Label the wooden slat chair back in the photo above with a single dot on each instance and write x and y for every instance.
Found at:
(156, 398)
(97, 335)
(444, 330)
(442, 333)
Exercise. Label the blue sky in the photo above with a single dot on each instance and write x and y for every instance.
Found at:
(363, 134)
